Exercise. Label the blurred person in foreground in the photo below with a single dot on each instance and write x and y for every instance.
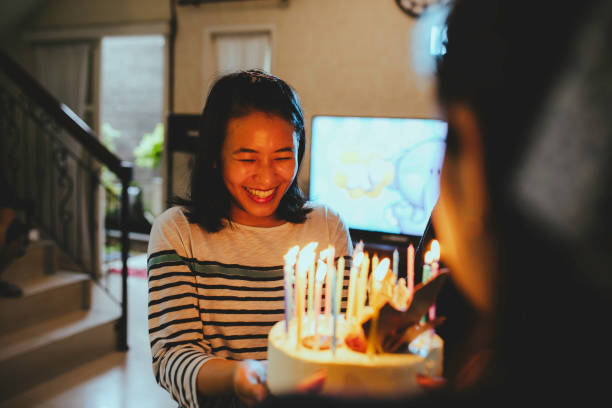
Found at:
(523, 213)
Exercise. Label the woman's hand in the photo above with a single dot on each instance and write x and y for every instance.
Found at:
(249, 381)
(428, 383)
(313, 384)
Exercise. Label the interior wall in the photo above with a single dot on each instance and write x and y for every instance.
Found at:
(343, 57)
(59, 16)
(67, 13)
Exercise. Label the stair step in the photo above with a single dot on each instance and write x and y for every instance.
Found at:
(40, 258)
(44, 297)
(51, 347)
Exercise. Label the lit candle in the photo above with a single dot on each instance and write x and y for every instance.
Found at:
(401, 294)
(427, 266)
(374, 261)
(337, 293)
(339, 282)
(362, 286)
(378, 275)
(426, 272)
(328, 280)
(410, 273)
(373, 265)
(288, 274)
(320, 276)
(352, 290)
(311, 287)
(395, 263)
(305, 259)
(435, 255)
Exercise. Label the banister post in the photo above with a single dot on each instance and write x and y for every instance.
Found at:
(126, 179)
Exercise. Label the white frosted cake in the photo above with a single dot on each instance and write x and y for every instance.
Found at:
(352, 372)
(376, 348)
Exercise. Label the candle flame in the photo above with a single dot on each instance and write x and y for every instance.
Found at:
(359, 246)
(331, 252)
(291, 255)
(306, 256)
(321, 271)
(357, 259)
(428, 257)
(323, 254)
(435, 250)
(381, 270)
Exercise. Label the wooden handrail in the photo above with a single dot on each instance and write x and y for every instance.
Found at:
(69, 120)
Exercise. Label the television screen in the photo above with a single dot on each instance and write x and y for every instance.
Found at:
(380, 174)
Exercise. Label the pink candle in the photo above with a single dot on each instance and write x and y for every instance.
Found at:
(435, 252)
(328, 279)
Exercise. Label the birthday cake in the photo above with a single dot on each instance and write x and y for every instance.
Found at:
(375, 349)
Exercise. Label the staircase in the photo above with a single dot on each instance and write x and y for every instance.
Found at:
(71, 310)
(62, 320)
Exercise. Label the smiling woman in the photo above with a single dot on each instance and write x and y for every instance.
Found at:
(215, 259)
(259, 161)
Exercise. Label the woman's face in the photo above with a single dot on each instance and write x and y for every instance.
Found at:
(460, 214)
(259, 163)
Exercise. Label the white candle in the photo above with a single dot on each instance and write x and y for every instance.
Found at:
(320, 277)
(435, 253)
(337, 295)
(373, 266)
(395, 263)
(305, 259)
(339, 284)
(289, 276)
(362, 286)
(311, 286)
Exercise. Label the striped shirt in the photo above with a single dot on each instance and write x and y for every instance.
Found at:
(216, 295)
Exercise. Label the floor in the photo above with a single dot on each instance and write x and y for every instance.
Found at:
(117, 380)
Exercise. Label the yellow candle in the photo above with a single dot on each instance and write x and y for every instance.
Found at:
(370, 279)
(426, 272)
(320, 276)
(300, 292)
(311, 287)
(410, 273)
(362, 286)
(352, 290)
(339, 284)
(305, 259)
(378, 275)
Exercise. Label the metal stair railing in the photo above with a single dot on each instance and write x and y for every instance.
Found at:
(53, 160)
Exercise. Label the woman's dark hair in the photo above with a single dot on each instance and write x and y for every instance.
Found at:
(233, 96)
(504, 59)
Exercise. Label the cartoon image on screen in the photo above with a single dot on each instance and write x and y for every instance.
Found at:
(380, 174)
